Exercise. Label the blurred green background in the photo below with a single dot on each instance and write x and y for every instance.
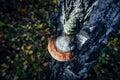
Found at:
(25, 29)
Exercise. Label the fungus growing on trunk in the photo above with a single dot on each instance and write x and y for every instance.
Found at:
(60, 49)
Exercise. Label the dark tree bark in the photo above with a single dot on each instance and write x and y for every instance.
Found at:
(98, 21)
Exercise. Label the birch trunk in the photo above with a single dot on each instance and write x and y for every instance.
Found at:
(98, 21)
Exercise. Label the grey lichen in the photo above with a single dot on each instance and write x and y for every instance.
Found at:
(82, 37)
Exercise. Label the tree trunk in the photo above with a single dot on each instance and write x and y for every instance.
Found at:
(98, 21)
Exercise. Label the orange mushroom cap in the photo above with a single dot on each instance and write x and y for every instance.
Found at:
(56, 53)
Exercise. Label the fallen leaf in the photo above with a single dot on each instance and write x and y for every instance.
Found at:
(25, 62)
(4, 65)
(2, 24)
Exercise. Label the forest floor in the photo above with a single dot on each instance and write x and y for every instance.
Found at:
(24, 32)
(25, 29)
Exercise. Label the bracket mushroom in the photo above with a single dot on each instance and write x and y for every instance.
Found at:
(60, 48)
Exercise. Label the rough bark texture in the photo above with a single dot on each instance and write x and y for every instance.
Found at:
(98, 21)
